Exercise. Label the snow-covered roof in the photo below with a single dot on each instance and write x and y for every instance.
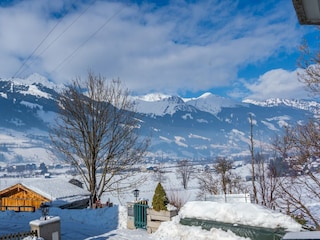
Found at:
(55, 189)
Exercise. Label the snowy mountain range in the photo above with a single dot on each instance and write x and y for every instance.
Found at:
(197, 128)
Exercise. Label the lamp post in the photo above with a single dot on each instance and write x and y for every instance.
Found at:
(44, 210)
(136, 194)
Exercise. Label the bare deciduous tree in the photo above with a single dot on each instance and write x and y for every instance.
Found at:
(160, 173)
(267, 181)
(178, 198)
(253, 163)
(208, 185)
(184, 171)
(222, 168)
(300, 146)
(221, 179)
(264, 177)
(310, 63)
(96, 132)
(235, 184)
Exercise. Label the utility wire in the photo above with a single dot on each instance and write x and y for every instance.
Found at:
(62, 33)
(43, 40)
(87, 40)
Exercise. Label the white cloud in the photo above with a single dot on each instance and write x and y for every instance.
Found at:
(179, 47)
(277, 83)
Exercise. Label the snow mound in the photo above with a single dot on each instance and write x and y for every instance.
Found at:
(239, 213)
(174, 231)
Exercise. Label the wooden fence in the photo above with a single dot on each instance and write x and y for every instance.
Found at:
(18, 208)
(19, 236)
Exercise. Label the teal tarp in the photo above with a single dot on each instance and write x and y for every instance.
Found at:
(254, 233)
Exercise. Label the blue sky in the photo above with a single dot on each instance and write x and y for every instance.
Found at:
(239, 49)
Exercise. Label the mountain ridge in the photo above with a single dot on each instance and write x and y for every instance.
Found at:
(197, 128)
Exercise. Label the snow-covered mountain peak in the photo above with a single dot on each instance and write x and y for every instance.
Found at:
(35, 85)
(174, 99)
(211, 103)
(207, 95)
(36, 79)
(268, 102)
(152, 97)
(166, 105)
(312, 106)
(161, 104)
(158, 104)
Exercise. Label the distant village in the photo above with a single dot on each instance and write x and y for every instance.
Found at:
(34, 170)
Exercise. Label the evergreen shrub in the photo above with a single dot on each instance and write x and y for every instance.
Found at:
(159, 200)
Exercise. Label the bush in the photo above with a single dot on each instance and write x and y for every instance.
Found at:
(178, 198)
(159, 200)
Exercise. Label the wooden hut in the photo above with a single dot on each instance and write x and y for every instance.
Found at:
(20, 198)
(28, 194)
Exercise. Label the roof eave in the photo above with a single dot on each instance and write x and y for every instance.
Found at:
(307, 11)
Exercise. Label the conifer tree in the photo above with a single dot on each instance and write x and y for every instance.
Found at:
(159, 200)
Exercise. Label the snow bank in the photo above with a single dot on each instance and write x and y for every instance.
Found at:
(174, 231)
(111, 223)
(238, 213)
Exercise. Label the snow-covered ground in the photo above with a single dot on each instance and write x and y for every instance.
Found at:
(111, 223)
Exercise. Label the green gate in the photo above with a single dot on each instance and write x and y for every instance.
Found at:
(140, 215)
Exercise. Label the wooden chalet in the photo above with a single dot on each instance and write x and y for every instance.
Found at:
(28, 194)
(20, 198)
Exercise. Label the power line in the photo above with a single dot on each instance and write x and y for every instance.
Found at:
(63, 32)
(87, 40)
(42, 41)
